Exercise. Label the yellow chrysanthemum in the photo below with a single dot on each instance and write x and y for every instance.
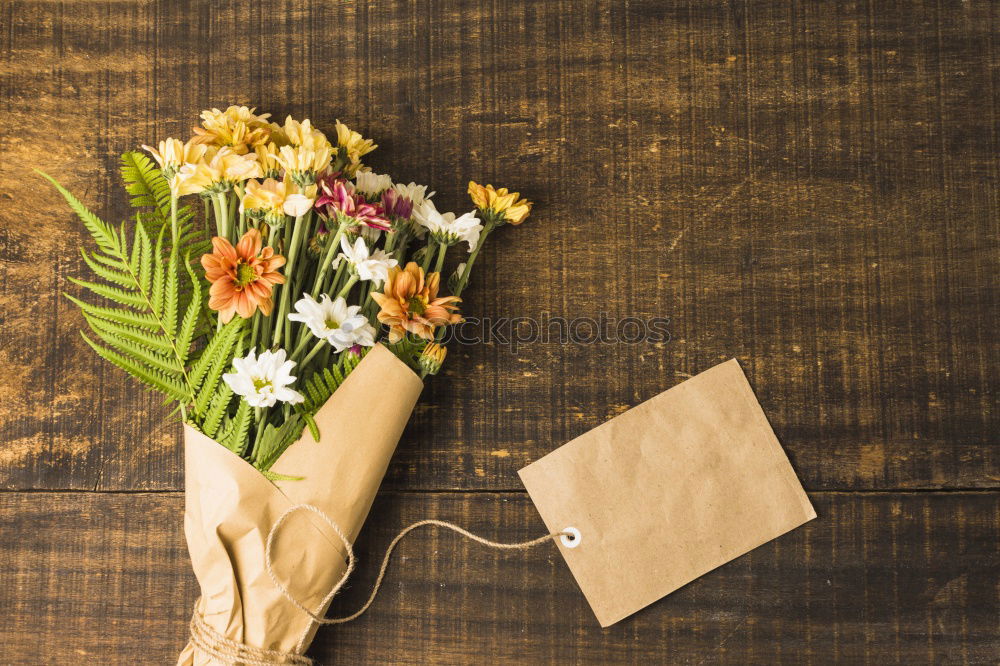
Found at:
(303, 163)
(267, 158)
(172, 154)
(216, 171)
(351, 147)
(304, 134)
(499, 205)
(273, 199)
(238, 128)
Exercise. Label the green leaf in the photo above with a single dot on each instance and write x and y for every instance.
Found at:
(103, 233)
(217, 409)
(217, 351)
(115, 275)
(274, 476)
(119, 315)
(138, 351)
(151, 378)
(236, 437)
(121, 296)
(191, 315)
(152, 340)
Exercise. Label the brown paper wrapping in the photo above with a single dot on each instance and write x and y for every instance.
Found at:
(230, 508)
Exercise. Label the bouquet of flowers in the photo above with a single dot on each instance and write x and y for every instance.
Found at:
(291, 318)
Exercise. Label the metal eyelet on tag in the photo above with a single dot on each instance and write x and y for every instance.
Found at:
(571, 540)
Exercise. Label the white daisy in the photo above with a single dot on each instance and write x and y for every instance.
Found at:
(334, 321)
(265, 380)
(415, 193)
(373, 265)
(448, 229)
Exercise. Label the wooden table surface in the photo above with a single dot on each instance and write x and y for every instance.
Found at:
(810, 187)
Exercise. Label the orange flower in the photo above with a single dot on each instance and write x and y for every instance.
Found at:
(410, 303)
(242, 277)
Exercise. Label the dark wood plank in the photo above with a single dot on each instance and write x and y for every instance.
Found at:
(903, 578)
(809, 187)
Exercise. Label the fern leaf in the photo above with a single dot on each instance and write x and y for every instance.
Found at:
(153, 341)
(139, 352)
(218, 347)
(145, 182)
(111, 261)
(214, 375)
(217, 409)
(274, 441)
(102, 232)
(118, 295)
(191, 315)
(114, 275)
(131, 318)
(151, 378)
(236, 439)
(143, 259)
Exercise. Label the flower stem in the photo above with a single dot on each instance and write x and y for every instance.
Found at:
(289, 271)
(442, 250)
(428, 256)
(464, 279)
(331, 251)
(173, 219)
(312, 352)
(347, 287)
(224, 214)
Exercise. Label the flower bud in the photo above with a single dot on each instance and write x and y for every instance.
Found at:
(432, 357)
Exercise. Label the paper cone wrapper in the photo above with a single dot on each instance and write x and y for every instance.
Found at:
(230, 508)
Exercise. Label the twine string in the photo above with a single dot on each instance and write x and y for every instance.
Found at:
(228, 651)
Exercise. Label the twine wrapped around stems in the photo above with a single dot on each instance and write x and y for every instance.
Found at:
(233, 653)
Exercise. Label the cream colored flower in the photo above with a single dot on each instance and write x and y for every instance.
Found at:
(273, 199)
(267, 158)
(172, 154)
(217, 171)
(238, 128)
(416, 193)
(372, 184)
(303, 162)
(304, 134)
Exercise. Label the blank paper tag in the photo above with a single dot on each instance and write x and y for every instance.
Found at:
(668, 491)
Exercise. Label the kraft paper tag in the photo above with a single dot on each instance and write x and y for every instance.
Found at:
(667, 491)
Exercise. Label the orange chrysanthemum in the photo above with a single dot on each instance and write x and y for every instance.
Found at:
(410, 302)
(242, 276)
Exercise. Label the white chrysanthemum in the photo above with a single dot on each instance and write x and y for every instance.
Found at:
(448, 229)
(415, 193)
(372, 184)
(265, 380)
(334, 321)
(370, 266)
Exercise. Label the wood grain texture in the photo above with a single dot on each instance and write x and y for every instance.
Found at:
(900, 578)
(809, 187)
